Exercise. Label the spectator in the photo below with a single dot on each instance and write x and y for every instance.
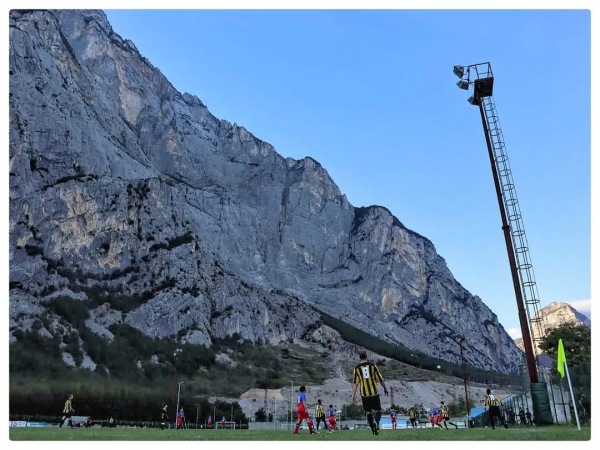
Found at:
(522, 420)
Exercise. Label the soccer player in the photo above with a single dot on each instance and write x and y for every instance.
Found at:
(412, 415)
(331, 419)
(393, 418)
(180, 419)
(223, 422)
(164, 417)
(435, 417)
(439, 418)
(209, 422)
(494, 404)
(320, 414)
(303, 412)
(367, 375)
(446, 416)
(67, 412)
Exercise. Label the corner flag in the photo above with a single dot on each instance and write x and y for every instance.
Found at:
(561, 366)
(560, 359)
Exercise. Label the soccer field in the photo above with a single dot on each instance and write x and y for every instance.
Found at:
(548, 433)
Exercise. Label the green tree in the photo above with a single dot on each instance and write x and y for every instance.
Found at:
(457, 407)
(353, 411)
(577, 342)
(260, 415)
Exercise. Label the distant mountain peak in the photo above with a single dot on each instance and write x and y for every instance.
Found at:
(554, 315)
(558, 313)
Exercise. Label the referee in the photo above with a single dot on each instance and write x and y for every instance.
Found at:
(367, 375)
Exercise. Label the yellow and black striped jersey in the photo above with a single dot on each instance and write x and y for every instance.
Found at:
(367, 375)
(491, 400)
(319, 411)
(68, 406)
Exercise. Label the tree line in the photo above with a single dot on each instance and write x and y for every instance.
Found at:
(43, 400)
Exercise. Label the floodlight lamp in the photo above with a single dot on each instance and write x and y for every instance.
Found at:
(473, 100)
(459, 71)
(463, 84)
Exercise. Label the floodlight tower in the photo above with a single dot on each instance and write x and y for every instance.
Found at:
(480, 76)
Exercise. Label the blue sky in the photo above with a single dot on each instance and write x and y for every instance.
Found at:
(370, 94)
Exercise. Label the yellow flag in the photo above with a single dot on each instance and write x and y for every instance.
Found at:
(560, 359)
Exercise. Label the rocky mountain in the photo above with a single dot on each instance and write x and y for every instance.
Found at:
(558, 313)
(132, 198)
(553, 315)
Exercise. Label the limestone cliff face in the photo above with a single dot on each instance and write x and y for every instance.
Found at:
(131, 196)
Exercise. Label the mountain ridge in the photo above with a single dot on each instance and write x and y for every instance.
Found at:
(135, 200)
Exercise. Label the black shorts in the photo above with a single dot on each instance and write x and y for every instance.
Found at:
(372, 403)
(67, 414)
(494, 411)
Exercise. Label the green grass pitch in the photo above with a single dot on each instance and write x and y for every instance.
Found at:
(547, 433)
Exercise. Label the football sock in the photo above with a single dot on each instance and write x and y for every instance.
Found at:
(371, 422)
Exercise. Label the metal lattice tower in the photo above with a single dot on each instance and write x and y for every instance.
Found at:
(515, 221)
(480, 76)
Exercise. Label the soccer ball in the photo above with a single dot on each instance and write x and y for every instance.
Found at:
(439, 367)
